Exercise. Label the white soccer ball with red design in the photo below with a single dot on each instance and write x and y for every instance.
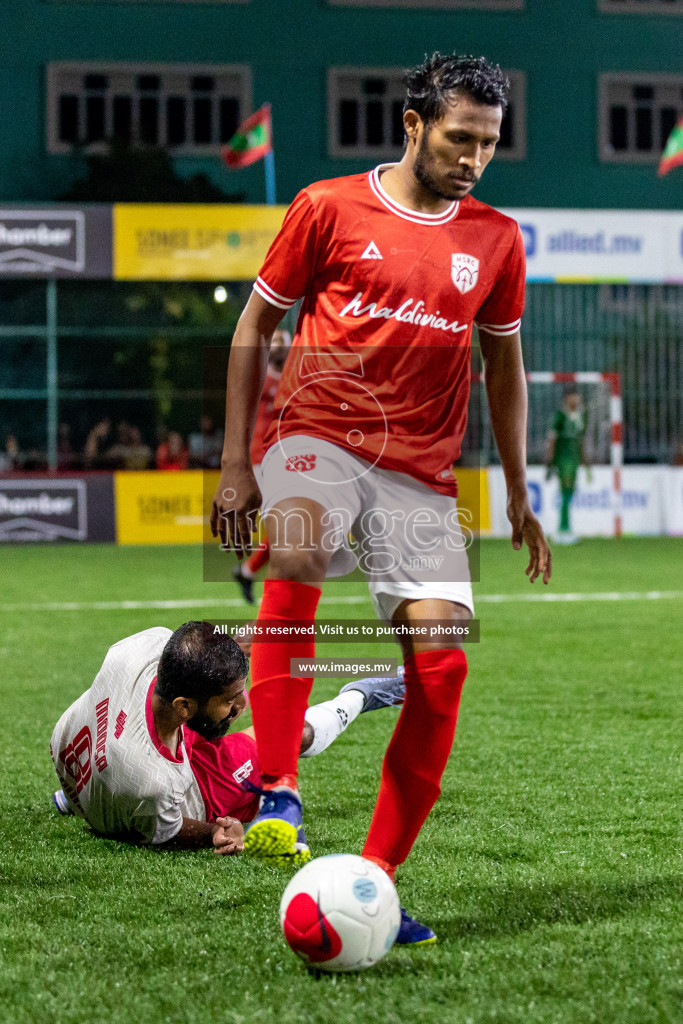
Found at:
(340, 913)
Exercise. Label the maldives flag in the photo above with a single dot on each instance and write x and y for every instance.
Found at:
(673, 151)
(252, 140)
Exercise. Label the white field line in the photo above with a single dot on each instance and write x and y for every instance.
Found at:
(235, 602)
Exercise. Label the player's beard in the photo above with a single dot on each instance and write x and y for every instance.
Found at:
(207, 728)
(422, 169)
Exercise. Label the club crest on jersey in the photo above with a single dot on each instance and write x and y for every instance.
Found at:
(464, 271)
(300, 463)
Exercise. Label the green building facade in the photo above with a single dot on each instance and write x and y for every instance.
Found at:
(597, 85)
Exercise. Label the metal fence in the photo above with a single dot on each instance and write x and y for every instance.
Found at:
(633, 330)
(73, 352)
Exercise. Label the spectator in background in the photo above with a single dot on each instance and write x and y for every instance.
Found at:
(206, 446)
(130, 451)
(9, 457)
(172, 454)
(67, 457)
(94, 456)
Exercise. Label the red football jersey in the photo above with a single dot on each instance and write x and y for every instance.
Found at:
(264, 416)
(381, 356)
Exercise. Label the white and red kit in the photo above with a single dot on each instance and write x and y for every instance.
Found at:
(381, 355)
(120, 777)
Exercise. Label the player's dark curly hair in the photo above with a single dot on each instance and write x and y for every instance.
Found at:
(199, 664)
(430, 85)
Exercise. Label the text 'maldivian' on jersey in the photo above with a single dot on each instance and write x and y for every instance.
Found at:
(381, 355)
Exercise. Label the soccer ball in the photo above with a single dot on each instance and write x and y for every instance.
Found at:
(340, 913)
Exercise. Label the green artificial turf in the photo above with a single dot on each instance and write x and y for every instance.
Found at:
(551, 868)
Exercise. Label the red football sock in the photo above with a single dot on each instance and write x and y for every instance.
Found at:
(278, 701)
(416, 757)
(258, 558)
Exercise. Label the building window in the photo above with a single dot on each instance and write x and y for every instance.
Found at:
(641, 6)
(365, 114)
(636, 116)
(188, 109)
(163, 1)
(481, 5)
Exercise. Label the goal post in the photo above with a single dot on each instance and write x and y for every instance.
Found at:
(604, 415)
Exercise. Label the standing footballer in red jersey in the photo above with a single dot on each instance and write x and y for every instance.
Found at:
(393, 267)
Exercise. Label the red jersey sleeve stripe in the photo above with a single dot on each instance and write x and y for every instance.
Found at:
(270, 295)
(501, 329)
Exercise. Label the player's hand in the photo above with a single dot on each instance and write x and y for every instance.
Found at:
(527, 529)
(228, 839)
(235, 504)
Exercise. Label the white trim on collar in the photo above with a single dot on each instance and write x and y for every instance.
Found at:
(429, 219)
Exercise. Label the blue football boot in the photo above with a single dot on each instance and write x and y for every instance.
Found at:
(60, 802)
(277, 829)
(412, 933)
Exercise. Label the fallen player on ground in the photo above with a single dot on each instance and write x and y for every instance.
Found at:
(144, 755)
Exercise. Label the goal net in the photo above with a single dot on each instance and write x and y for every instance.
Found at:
(601, 394)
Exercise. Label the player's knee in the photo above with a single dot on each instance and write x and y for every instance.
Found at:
(298, 566)
(410, 647)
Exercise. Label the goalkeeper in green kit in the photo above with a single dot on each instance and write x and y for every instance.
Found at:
(565, 453)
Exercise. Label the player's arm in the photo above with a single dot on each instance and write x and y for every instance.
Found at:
(237, 497)
(226, 835)
(507, 397)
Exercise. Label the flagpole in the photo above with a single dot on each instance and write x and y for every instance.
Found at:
(269, 165)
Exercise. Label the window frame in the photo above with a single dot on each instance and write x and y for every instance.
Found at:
(157, 1)
(56, 147)
(607, 155)
(650, 7)
(454, 5)
(335, 151)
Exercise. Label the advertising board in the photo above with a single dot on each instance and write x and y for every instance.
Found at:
(56, 242)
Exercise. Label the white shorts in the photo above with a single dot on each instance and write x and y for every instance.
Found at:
(408, 539)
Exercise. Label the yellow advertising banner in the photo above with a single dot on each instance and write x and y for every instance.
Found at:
(192, 242)
(174, 508)
(161, 508)
(473, 496)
